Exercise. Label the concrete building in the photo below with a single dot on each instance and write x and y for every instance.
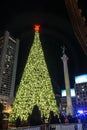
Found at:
(64, 101)
(9, 47)
(81, 93)
(64, 104)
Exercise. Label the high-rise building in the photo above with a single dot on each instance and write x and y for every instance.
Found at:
(9, 47)
(81, 92)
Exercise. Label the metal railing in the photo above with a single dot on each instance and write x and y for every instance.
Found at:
(51, 127)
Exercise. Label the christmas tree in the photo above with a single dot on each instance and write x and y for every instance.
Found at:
(35, 86)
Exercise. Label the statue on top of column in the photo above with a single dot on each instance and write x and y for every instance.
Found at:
(63, 49)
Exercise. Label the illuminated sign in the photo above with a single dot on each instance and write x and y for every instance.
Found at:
(72, 90)
(81, 79)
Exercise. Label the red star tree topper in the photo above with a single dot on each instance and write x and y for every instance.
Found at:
(36, 27)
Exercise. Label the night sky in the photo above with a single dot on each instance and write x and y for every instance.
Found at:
(19, 17)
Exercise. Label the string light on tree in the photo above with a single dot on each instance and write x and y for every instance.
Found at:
(35, 87)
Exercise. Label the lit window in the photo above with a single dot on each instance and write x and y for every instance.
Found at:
(4, 86)
(7, 65)
(83, 89)
(82, 86)
(78, 96)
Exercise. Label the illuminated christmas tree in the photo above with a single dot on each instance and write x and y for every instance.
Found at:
(35, 86)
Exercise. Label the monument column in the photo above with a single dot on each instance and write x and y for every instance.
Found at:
(69, 109)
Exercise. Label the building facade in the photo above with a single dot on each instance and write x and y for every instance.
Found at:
(64, 104)
(8, 64)
(81, 96)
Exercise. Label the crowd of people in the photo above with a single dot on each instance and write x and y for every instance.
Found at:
(35, 118)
